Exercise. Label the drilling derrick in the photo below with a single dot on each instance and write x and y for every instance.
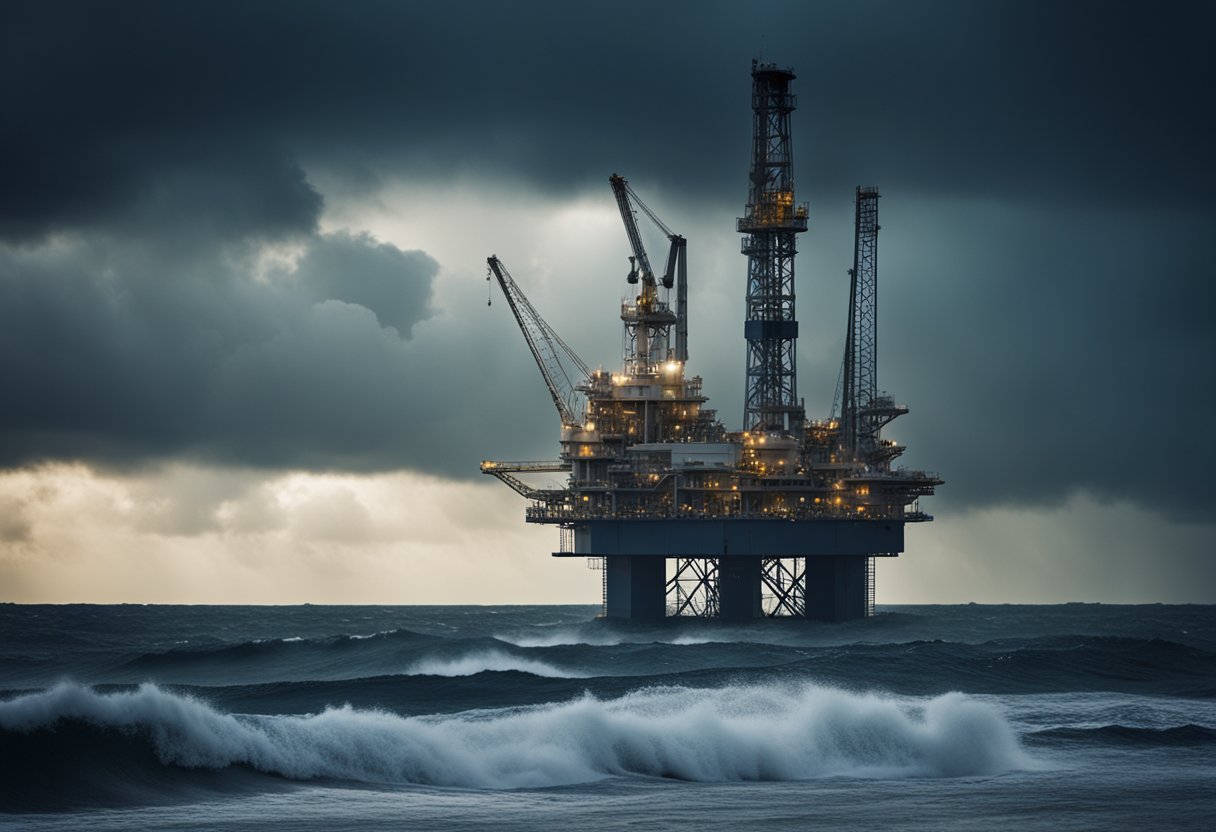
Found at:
(771, 222)
(861, 341)
(782, 518)
(865, 410)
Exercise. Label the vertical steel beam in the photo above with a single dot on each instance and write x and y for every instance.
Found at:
(739, 588)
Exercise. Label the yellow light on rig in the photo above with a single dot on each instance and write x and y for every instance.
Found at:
(591, 426)
(672, 366)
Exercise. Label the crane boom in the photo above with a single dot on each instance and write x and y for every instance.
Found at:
(641, 262)
(676, 252)
(626, 198)
(559, 365)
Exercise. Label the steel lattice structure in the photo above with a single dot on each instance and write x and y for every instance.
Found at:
(861, 343)
(771, 223)
(692, 590)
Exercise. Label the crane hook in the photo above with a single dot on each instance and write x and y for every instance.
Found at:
(489, 288)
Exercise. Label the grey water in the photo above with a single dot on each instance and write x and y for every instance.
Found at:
(1077, 716)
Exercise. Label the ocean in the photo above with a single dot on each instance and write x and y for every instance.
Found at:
(1078, 716)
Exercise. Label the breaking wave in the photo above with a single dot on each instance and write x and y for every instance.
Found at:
(726, 734)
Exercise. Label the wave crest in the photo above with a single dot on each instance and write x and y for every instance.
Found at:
(734, 733)
(480, 661)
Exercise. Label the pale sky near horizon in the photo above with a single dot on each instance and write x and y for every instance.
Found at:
(243, 323)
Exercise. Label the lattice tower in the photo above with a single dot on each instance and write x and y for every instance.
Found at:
(771, 224)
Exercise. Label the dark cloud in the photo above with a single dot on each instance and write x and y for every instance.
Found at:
(1073, 99)
(1046, 308)
(1048, 353)
(112, 353)
(395, 285)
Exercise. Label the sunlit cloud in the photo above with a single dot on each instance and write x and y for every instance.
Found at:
(191, 534)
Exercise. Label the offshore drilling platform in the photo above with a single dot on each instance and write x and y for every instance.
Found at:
(685, 518)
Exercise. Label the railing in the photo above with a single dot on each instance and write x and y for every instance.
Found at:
(569, 513)
(490, 466)
(658, 310)
(897, 474)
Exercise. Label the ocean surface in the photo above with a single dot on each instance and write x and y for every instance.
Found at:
(524, 718)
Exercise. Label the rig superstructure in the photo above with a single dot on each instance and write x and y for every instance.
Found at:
(781, 518)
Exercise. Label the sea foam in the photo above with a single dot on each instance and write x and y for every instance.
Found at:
(769, 732)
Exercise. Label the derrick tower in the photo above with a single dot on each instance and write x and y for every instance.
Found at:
(771, 223)
(861, 341)
(865, 410)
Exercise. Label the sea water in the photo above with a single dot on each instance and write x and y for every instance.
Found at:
(319, 717)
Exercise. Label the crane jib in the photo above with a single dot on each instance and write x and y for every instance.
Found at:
(561, 368)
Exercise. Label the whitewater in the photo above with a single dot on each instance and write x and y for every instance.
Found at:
(1072, 716)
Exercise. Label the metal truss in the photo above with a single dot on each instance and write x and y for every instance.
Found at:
(784, 587)
(861, 343)
(692, 591)
(771, 222)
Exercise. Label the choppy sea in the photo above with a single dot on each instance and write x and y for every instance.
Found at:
(525, 718)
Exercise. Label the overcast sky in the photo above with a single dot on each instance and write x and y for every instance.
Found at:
(244, 341)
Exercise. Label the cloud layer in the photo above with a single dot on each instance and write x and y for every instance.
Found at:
(173, 285)
(1078, 101)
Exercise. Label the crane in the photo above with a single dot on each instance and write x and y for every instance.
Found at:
(564, 372)
(640, 261)
(676, 271)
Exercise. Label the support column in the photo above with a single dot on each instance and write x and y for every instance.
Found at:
(739, 588)
(836, 587)
(637, 587)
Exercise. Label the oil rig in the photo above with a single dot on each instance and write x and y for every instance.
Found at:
(784, 517)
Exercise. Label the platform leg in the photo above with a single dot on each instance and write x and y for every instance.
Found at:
(637, 587)
(836, 587)
(739, 588)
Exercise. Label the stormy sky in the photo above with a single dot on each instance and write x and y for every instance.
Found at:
(243, 321)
